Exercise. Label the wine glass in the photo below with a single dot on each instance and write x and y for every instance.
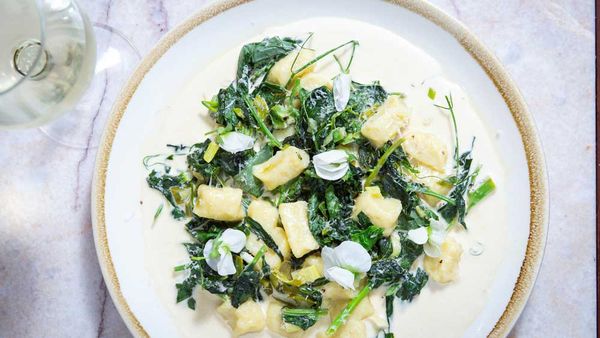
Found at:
(57, 66)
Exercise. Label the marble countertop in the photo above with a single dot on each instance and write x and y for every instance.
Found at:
(50, 281)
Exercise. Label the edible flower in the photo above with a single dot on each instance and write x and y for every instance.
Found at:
(344, 262)
(217, 252)
(341, 91)
(430, 237)
(331, 165)
(234, 142)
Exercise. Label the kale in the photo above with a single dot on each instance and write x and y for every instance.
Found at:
(245, 179)
(256, 59)
(223, 165)
(412, 285)
(319, 107)
(364, 96)
(247, 285)
(305, 296)
(260, 232)
(367, 237)
(290, 191)
(164, 183)
(204, 229)
(271, 93)
(462, 182)
(302, 318)
(228, 101)
(385, 271)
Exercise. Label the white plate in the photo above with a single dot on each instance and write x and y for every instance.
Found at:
(164, 72)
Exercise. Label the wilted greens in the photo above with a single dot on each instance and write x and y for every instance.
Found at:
(279, 115)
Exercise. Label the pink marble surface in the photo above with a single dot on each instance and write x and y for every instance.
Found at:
(50, 281)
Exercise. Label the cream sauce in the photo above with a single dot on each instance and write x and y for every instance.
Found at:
(440, 310)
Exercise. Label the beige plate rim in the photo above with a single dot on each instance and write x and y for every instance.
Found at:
(539, 202)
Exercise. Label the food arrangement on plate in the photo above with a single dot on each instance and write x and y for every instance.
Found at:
(314, 194)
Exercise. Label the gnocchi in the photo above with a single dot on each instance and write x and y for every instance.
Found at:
(315, 80)
(387, 123)
(281, 72)
(222, 204)
(248, 317)
(444, 269)
(351, 329)
(383, 212)
(268, 216)
(281, 168)
(294, 217)
(276, 324)
(426, 149)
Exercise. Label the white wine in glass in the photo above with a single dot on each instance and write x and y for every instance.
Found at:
(48, 62)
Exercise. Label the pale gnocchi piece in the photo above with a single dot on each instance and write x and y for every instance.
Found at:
(426, 149)
(334, 292)
(248, 317)
(264, 213)
(436, 185)
(281, 72)
(387, 123)
(363, 310)
(313, 81)
(276, 324)
(314, 260)
(223, 204)
(281, 168)
(253, 244)
(444, 269)
(268, 216)
(294, 217)
(351, 329)
(383, 212)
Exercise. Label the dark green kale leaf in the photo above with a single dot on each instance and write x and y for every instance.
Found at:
(245, 179)
(223, 165)
(304, 296)
(291, 191)
(228, 99)
(364, 96)
(412, 285)
(257, 58)
(303, 318)
(367, 237)
(247, 285)
(462, 182)
(204, 229)
(385, 271)
(273, 94)
(164, 183)
(260, 232)
(319, 106)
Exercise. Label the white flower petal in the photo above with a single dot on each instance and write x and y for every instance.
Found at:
(332, 175)
(328, 256)
(226, 266)
(432, 250)
(437, 237)
(341, 91)
(439, 225)
(234, 239)
(212, 262)
(419, 235)
(234, 142)
(331, 156)
(341, 276)
(352, 256)
(331, 165)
